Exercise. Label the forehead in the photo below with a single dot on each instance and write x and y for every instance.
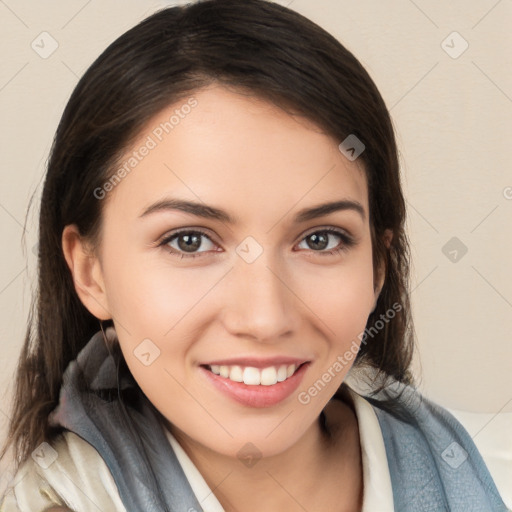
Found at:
(238, 152)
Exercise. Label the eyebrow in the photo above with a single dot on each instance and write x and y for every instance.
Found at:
(210, 212)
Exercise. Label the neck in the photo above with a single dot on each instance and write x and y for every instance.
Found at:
(326, 459)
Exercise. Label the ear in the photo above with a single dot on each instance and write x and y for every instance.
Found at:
(86, 271)
(381, 273)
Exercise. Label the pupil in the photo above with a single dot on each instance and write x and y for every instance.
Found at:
(319, 241)
(190, 242)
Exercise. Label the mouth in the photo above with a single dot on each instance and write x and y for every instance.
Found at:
(259, 385)
(252, 376)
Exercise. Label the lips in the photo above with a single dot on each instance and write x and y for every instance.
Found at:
(256, 383)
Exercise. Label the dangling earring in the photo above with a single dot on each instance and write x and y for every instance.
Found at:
(109, 335)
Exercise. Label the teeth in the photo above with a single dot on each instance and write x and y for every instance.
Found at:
(281, 373)
(254, 376)
(236, 374)
(268, 376)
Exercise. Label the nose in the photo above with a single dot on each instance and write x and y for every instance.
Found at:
(258, 302)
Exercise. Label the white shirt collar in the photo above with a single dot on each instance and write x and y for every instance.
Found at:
(378, 492)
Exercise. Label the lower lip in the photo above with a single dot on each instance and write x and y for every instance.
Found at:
(257, 396)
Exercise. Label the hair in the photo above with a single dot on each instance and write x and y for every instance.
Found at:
(255, 46)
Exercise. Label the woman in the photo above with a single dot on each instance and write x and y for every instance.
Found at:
(221, 242)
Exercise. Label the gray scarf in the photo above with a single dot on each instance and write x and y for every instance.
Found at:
(433, 462)
(126, 432)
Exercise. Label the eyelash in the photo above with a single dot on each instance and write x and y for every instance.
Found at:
(346, 242)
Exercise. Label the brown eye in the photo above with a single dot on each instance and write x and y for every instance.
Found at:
(327, 241)
(318, 241)
(188, 243)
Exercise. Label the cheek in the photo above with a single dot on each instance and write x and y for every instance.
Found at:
(155, 301)
(342, 296)
(342, 300)
(150, 305)
(152, 296)
(348, 308)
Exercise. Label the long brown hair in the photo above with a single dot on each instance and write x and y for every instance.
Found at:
(261, 47)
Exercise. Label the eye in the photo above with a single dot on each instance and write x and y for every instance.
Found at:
(190, 243)
(327, 241)
(187, 243)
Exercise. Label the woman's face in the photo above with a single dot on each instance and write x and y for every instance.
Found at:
(221, 261)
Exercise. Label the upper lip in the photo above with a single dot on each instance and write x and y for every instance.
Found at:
(257, 362)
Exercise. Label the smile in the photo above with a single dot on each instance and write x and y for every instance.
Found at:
(255, 376)
(251, 386)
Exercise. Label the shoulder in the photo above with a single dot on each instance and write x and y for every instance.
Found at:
(66, 472)
(431, 456)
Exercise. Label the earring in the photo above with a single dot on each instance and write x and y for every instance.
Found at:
(109, 335)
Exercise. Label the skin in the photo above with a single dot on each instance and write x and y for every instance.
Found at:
(292, 300)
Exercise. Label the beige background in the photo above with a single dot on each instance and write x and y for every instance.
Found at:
(452, 110)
